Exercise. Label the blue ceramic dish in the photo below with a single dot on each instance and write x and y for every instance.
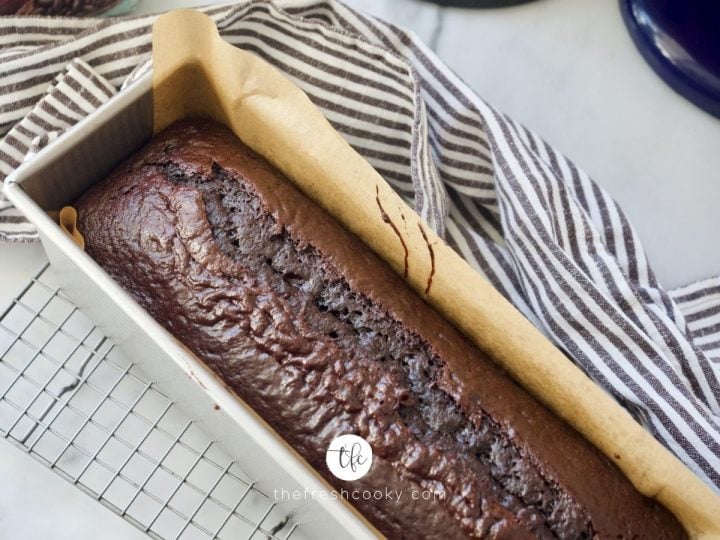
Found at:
(680, 39)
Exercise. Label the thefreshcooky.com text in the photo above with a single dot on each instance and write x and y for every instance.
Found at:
(357, 494)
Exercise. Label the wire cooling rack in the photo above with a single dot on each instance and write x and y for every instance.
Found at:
(72, 401)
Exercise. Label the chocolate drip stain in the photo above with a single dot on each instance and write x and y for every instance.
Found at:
(432, 259)
(387, 220)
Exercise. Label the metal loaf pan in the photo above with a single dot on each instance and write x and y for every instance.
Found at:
(56, 177)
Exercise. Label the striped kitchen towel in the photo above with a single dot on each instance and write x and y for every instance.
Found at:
(549, 238)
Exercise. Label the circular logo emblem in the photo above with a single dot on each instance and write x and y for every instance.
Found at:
(349, 457)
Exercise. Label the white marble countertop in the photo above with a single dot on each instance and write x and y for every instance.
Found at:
(565, 68)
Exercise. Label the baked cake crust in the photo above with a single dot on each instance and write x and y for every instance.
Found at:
(321, 338)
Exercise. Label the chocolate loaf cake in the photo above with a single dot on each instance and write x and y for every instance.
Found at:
(320, 337)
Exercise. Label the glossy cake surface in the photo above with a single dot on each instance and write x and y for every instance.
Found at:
(321, 338)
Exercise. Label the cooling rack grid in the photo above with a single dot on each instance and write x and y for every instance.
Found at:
(71, 400)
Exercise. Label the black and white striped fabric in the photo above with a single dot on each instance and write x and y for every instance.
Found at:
(549, 238)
